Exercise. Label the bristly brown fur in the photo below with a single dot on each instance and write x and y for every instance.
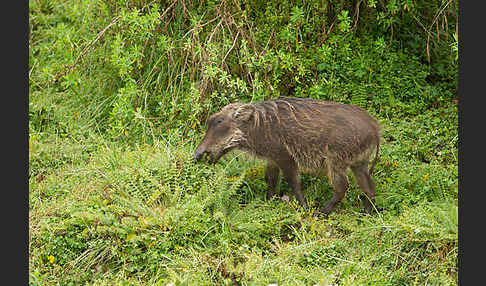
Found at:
(300, 134)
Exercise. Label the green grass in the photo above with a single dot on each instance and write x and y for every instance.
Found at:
(115, 198)
(106, 213)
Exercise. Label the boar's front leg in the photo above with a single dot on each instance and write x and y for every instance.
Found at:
(290, 172)
(271, 177)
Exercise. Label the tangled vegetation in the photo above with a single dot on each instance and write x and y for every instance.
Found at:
(119, 91)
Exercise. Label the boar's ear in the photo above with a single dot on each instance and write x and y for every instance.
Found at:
(243, 112)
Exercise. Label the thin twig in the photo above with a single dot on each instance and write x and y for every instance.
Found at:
(439, 13)
(227, 53)
(214, 30)
(356, 16)
(86, 49)
(167, 10)
(199, 26)
(331, 26)
(430, 27)
(33, 66)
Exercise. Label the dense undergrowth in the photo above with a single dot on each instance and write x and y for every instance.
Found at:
(118, 96)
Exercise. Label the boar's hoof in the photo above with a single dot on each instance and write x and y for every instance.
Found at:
(371, 210)
(320, 214)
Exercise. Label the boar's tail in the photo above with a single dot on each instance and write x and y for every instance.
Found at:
(376, 158)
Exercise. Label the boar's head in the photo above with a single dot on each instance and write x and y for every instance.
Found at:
(224, 131)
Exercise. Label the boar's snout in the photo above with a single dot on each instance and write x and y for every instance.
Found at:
(198, 154)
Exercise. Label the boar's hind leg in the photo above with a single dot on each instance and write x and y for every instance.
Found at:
(290, 172)
(366, 184)
(340, 185)
(271, 177)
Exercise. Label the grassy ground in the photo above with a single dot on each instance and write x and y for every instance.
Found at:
(118, 94)
(105, 213)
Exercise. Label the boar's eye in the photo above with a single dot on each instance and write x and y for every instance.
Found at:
(219, 121)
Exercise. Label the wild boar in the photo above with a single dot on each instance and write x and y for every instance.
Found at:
(297, 134)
